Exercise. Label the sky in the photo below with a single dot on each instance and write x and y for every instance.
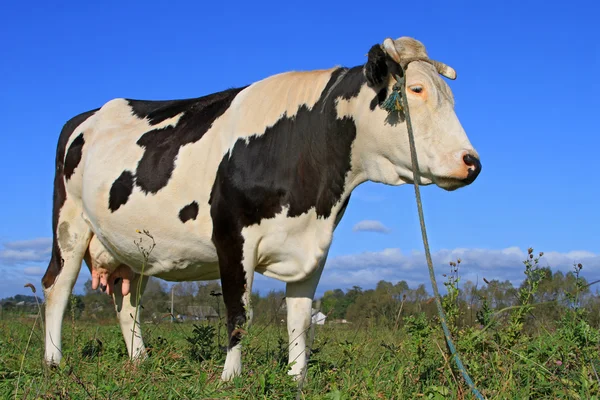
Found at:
(526, 94)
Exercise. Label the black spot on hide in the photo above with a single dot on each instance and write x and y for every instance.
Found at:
(120, 191)
(189, 212)
(73, 156)
(162, 145)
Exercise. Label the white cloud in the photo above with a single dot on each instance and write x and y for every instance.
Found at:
(37, 243)
(18, 266)
(33, 271)
(367, 268)
(370, 226)
(15, 278)
(25, 251)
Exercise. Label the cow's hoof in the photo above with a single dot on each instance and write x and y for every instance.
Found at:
(233, 364)
(230, 373)
(52, 364)
(296, 376)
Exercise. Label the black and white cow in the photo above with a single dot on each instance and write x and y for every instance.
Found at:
(253, 179)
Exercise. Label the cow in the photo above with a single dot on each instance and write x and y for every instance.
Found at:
(249, 179)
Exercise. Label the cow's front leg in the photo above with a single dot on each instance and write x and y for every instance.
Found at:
(236, 281)
(237, 287)
(299, 297)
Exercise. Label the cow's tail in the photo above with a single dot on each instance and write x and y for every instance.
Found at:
(71, 236)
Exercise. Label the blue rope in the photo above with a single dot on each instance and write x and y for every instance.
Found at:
(398, 102)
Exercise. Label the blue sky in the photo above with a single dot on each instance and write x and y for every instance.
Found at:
(526, 95)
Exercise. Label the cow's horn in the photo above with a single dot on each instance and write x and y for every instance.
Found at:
(390, 48)
(444, 69)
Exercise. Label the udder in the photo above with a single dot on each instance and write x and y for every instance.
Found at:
(106, 270)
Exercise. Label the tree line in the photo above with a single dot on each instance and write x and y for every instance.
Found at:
(386, 305)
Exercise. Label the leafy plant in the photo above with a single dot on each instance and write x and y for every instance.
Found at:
(202, 345)
(450, 300)
(533, 274)
(485, 314)
(92, 349)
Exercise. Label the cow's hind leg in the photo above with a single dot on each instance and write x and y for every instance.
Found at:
(69, 245)
(128, 313)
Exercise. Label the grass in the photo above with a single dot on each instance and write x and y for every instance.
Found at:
(365, 360)
(348, 362)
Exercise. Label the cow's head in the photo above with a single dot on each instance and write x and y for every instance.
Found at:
(381, 151)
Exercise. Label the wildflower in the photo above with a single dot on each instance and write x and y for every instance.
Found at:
(30, 286)
(558, 362)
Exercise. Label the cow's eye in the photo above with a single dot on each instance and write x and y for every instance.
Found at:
(416, 89)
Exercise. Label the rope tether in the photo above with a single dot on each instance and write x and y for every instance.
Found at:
(397, 102)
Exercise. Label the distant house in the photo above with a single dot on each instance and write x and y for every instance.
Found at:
(202, 313)
(318, 317)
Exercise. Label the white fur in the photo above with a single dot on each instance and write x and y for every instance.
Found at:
(288, 249)
(233, 363)
(299, 297)
(129, 318)
(73, 237)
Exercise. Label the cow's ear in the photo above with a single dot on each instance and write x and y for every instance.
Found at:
(376, 68)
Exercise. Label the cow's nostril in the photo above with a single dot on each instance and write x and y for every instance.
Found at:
(470, 160)
(474, 167)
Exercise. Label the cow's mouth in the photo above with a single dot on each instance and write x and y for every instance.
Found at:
(450, 184)
(445, 182)
(461, 178)
(423, 180)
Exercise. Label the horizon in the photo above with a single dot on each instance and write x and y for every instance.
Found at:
(168, 286)
(520, 95)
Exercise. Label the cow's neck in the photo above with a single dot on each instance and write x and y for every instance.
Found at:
(368, 161)
(338, 177)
